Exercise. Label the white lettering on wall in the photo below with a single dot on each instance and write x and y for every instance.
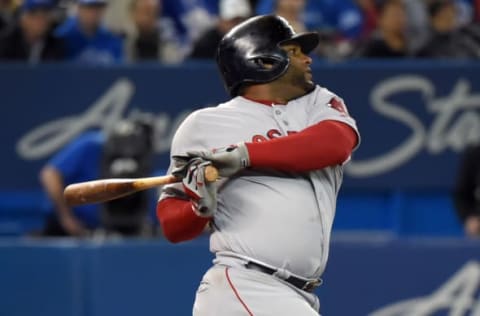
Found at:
(47, 138)
(458, 295)
(455, 125)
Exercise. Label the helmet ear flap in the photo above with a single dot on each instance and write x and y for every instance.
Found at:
(265, 63)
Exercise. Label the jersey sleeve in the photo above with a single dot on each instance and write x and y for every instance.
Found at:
(175, 210)
(186, 138)
(325, 105)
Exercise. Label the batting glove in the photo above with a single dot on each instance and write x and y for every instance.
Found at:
(203, 194)
(228, 160)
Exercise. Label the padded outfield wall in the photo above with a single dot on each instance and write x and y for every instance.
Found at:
(374, 276)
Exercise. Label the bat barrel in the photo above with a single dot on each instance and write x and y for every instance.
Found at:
(98, 191)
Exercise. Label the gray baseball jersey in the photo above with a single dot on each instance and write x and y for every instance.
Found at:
(279, 219)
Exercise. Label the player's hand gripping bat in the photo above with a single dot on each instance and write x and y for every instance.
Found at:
(103, 190)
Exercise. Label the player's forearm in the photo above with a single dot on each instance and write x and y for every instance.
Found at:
(327, 143)
(53, 184)
(178, 220)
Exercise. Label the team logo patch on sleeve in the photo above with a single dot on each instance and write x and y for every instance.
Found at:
(337, 104)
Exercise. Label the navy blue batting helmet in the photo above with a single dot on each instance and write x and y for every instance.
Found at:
(244, 51)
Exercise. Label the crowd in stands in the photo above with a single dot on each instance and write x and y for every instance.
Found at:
(105, 32)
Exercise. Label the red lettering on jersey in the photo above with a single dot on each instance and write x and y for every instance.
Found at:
(259, 138)
(273, 133)
(337, 104)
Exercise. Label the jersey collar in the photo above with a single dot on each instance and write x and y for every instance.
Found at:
(265, 102)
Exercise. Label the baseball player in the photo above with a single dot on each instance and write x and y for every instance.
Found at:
(279, 145)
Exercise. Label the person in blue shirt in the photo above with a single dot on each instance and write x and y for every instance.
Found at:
(77, 162)
(190, 19)
(123, 151)
(86, 40)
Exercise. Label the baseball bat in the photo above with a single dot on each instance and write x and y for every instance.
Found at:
(103, 190)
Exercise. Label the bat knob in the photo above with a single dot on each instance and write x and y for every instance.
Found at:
(211, 173)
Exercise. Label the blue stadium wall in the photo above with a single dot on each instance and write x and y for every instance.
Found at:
(373, 276)
(414, 117)
(398, 247)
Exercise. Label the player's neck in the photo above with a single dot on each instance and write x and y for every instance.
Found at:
(264, 94)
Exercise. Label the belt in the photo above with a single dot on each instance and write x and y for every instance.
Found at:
(305, 285)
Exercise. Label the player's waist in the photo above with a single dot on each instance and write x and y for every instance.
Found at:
(237, 260)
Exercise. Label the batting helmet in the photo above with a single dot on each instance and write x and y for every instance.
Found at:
(243, 52)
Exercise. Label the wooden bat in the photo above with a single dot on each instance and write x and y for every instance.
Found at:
(103, 190)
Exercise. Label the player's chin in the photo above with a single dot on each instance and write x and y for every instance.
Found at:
(306, 84)
(309, 79)
(309, 85)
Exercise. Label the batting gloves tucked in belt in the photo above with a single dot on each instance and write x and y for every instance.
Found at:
(203, 194)
(228, 160)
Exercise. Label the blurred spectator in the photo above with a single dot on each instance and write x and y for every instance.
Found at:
(465, 11)
(181, 22)
(446, 39)
(212, 6)
(8, 13)
(340, 24)
(231, 13)
(370, 16)
(417, 24)
(78, 162)
(117, 16)
(342, 17)
(389, 40)
(31, 38)
(125, 151)
(418, 28)
(293, 12)
(476, 10)
(146, 37)
(467, 191)
(190, 19)
(87, 40)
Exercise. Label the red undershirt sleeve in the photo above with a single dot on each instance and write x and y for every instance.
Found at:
(324, 144)
(178, 220)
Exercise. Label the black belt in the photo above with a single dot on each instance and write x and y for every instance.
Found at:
(304, 285)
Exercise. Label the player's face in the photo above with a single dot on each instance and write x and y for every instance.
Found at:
(299, 74)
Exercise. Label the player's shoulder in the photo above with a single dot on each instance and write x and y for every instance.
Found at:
(318, 96)
(212, 114)
(216, 110)
(199, 117)
(202, 114)
(323, 95)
